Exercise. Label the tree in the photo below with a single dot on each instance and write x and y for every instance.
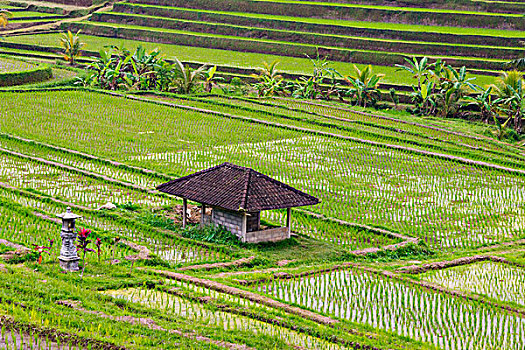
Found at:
(452, 86)
(4, 17)
(516, 103)
(185, 78)
(419, 69)
(270, 82)
(364, 85)
(485, 104)
(509, 88)
(210, 79)
(518, 64)
(72, 45)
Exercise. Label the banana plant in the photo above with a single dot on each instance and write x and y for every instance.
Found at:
(501, 127)
(268, 70)
(484, 103)
(364, 85)
(269, 86)
(419, 69)
(516, 102)
(210, 79)
(518, 64)
(72, 45)
(5, 15)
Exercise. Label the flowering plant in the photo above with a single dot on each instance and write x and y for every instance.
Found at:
(82, 246)
(98, 243)
(40, 249)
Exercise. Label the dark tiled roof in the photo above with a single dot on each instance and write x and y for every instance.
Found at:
(233, 187)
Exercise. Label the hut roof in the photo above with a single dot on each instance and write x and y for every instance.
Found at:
(236, 188)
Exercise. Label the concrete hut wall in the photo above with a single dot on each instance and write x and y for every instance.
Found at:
(230, 219)
(233, 221)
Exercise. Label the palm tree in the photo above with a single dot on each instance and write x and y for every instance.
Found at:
(506, 80)
(186, 78)
(71, 44)
(4, 17)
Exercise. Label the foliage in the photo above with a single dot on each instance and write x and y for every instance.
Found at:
(120, 69)
(518, 64)
(185, 79)
(82, 246)
(212, 234)
(485, 103)
(72, 45)
(270, 82)
(4, 17)
(323, 84)
(510, 90)
(210, 79)
(129, 206)
(40, 249)
(364, 86)
(441, 88)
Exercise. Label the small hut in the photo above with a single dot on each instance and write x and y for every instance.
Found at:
(236, 196)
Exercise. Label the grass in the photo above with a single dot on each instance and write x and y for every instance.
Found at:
(219, 36)
(379, 193)
(358, 24)
(27, 14)
(389, 8)
(241, 28)
(224, 57)
(12, 65)
(369, 127)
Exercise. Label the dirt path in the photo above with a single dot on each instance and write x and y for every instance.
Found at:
(247, 295)
(143, 252)
(19, 251)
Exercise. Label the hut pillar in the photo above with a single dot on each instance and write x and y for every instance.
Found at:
(203, 214)
(184, 211)
(289, 221)
(244, 226)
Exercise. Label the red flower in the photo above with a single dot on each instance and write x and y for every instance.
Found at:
(83, 234)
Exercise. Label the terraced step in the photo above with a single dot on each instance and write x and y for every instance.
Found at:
(333, 27)
(356, 12)
(274, 47)
(513, 6)
(334, 41)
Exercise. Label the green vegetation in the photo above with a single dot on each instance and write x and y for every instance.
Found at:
(398, 118)
(222, 57)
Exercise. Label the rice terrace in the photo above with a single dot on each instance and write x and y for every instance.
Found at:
(262, 174)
